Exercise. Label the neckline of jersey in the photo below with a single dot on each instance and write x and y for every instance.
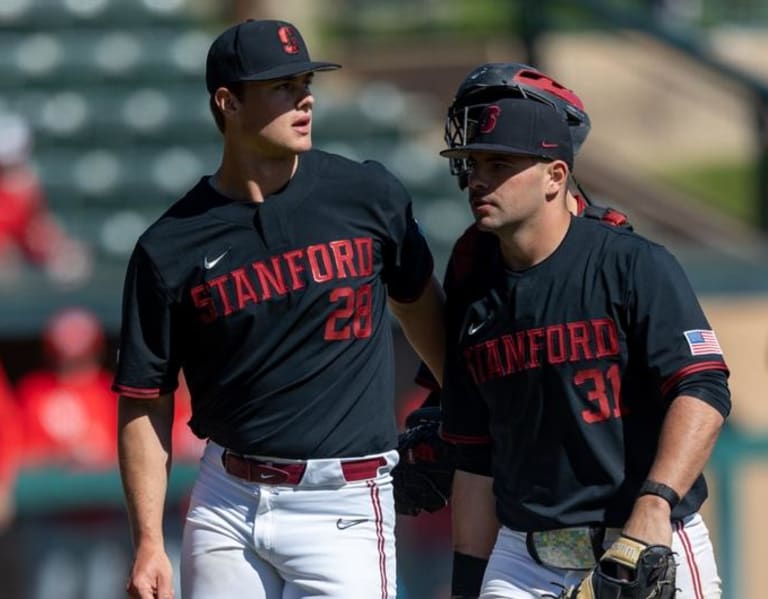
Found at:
(286, 199)
(563, 246)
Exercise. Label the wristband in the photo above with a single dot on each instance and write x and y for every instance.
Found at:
(467, 576)
(651, 487)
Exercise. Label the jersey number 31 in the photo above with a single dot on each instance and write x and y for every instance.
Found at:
(597, 391)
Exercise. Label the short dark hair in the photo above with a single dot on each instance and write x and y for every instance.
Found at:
(237, 89)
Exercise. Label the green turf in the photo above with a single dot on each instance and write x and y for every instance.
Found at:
(731, 188)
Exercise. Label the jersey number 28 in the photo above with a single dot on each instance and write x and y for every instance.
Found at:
(353, 317)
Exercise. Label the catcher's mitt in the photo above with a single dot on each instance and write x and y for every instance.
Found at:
(423, 477)
(650, 570)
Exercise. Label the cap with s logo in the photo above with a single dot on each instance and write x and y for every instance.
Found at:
(259, 51)
(518, 126)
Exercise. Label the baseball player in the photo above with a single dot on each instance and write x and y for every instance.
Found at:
(584, 388)
(422, 478)
(268, 284)
(491, 82)
(494, 81)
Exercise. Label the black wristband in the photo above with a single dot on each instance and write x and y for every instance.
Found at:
(651, 487)
(467, 576)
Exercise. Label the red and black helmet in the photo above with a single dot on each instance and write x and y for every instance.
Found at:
(493, 81)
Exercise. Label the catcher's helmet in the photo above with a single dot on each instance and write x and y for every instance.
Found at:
(494, 81)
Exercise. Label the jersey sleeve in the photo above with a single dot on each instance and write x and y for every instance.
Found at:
(408, 259)
(669, 324)
(465, 420)
(147, 366)
(464, 412)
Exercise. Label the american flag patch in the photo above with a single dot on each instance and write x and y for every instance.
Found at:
(702, 341)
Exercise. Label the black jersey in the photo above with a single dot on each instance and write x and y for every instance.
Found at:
(567, 369)
(276, 311)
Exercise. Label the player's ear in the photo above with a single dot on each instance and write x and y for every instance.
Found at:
(226, 101)
(557, 177)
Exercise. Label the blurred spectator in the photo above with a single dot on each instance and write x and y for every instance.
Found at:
(69, 420)
(10, 449)
(69, 413)
(10, 452)
(424, 554)
(29, 233)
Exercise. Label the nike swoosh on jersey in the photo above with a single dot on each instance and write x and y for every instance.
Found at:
(343, 524)
(474, 328)
(209, 263)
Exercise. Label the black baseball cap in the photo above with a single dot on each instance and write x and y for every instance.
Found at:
(518, 126)
(259, 51)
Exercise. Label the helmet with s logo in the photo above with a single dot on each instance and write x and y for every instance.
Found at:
(494, 81)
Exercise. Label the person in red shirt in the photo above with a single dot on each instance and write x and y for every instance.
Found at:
(69, 412)
(29, 232)
(11, 568)
(10, 449)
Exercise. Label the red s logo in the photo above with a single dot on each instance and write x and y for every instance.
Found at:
(289, 40)
(490, 118)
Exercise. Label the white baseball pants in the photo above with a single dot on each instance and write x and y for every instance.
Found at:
(513, 574)
(323, 537)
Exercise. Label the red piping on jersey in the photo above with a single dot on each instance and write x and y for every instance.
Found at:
(666, 387)
(465, 439)
(136, 392)
(381, 544)
(690, 559)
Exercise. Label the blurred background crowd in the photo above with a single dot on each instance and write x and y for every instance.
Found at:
(104, 122)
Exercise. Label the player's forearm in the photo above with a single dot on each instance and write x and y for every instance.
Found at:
(474, 528)
(688, 435)
(473, 514)
(144, 449)
(424, 327)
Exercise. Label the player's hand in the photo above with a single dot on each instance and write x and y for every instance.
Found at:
(151, 576)
(650, 521)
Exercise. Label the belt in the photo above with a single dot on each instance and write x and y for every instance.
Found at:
(277, 473)
(574, 548)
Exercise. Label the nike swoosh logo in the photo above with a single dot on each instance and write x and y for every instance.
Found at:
(474, 328)
(210, 263)
(545, 144)
(266, 476)
(343, 524)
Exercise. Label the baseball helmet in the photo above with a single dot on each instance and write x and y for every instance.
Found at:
(494, 81)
